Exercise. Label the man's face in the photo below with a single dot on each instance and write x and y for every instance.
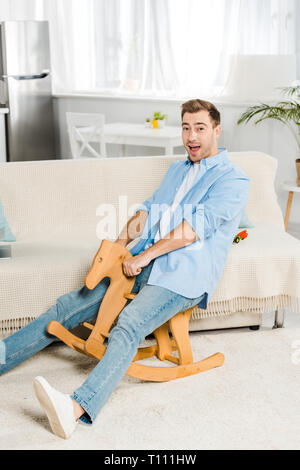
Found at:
(199, 137)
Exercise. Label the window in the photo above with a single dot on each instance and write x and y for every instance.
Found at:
(170, 48)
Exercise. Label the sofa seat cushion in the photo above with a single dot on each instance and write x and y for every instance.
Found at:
(262, 273)
(38, 273)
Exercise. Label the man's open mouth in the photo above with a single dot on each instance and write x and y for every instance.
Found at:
(194, 148)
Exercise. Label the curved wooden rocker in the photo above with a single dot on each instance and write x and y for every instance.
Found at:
(108, 263)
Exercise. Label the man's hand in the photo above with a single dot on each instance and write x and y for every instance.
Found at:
(134, 265)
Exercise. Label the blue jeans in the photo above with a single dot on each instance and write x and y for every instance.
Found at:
(152, 307)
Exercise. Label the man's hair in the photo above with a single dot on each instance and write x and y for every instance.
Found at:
(193, 106)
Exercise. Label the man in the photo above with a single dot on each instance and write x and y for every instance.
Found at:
(186, 229)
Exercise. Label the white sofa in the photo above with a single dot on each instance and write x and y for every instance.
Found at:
(51, 207)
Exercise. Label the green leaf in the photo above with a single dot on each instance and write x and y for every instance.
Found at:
(285, 111)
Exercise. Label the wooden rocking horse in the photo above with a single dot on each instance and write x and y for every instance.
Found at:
(108, 263)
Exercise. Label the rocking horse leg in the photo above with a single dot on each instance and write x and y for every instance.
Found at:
(179, 326)
(112, 303)
(163, 341)
(144, 353)
(163, 348)
(56, 329)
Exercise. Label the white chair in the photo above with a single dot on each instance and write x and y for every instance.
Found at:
(85, 129)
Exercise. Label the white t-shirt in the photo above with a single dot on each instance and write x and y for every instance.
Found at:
(186, 185)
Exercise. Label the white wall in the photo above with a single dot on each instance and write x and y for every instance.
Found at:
(270, 136)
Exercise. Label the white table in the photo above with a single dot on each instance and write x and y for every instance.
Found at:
(137, 134)
(291, 187)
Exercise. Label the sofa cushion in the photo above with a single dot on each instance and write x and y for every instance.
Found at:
(245, 222)
(56, 198)
(262, 207)
(262, 273)
(37, 274)
(6, 234)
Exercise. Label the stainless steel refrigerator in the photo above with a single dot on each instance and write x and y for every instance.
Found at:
(26, 90)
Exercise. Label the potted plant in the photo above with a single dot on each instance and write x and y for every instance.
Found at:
(286, 111)
(158, 120)
(148, 122)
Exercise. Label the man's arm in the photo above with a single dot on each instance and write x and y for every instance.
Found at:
(133, 229)
(182, 235)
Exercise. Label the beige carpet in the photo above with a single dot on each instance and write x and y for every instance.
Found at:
(252, 402)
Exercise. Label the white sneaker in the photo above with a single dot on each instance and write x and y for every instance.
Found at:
(58, 407)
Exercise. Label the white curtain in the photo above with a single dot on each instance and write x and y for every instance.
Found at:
(72, 42)
(159, 47)
(21, 10)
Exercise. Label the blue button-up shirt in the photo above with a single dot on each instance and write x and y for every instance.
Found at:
(213, 207)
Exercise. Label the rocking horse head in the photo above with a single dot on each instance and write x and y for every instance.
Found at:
(106, 263)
